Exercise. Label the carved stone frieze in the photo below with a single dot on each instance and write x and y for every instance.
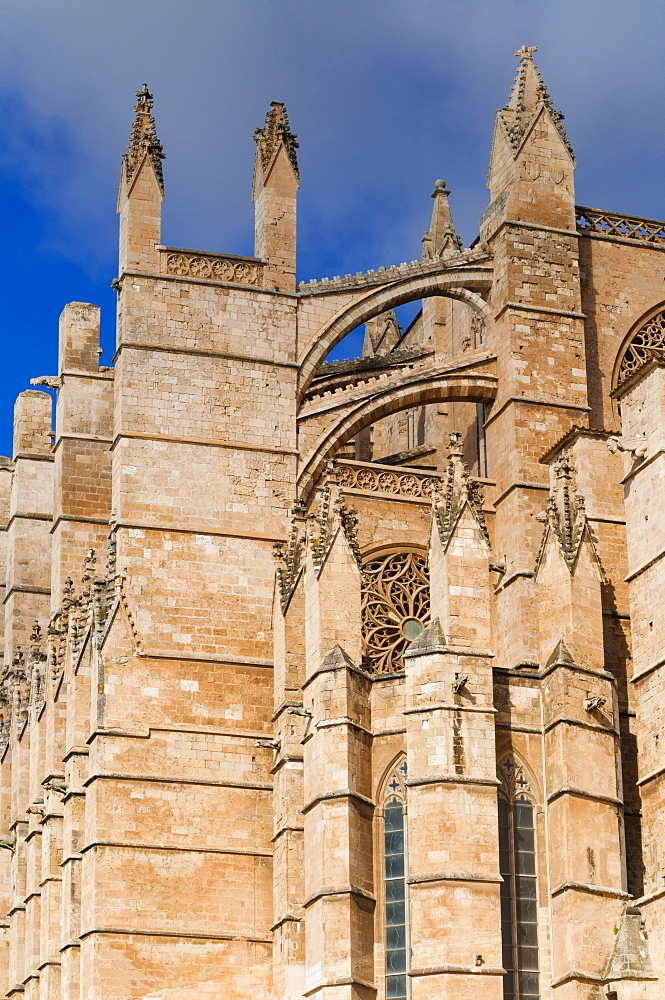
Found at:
(380, 480)
(212, 267)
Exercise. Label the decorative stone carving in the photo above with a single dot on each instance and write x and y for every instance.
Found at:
(331, 513)
(648, 344)
(512, 776)
(455, 488)
(37, 667)
(565, 516)
(384, 275)
(274, 133)
(395, 608)
(143, 138)
(316, 529)
(477, 330)
(637, 446)
(409, 484)
(528, 96)
(289, 557)
(213, 268)
(628, 227)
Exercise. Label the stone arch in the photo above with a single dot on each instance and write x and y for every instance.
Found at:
(381, 791)
(533, 789)
(645, 339)
(463, 387)
(462, 285)
(386, 549)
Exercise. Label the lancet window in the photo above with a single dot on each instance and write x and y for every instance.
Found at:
(394, 882)
(519, 899)
(395, 608)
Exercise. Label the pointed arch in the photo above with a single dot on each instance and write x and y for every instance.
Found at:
(644, 341)
(515, 775)
(382, 790)
(519, 873)
(395, 910)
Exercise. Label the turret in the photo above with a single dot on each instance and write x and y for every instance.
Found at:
(141, 191)
(276, 182)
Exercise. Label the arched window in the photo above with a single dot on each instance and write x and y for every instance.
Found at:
(394, 883)
(395, 607)
(519, 899)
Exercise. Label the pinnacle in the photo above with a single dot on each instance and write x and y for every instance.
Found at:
(441, 239)
(275, 132)
(560, 654)
(528, 95)
(143, 138)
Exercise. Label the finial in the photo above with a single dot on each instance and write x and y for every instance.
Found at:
(440, 240)
(454, 445)
(143, 138)
(528, 96)
(275, 132)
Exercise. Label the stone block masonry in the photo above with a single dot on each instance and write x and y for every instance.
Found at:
(344, 681)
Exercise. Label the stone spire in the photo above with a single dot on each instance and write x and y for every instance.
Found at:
(143, 139)
(528, 96)
(276, 132)
(441, 240)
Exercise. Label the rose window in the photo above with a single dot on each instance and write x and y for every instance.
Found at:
(395, 608)
(647, 343)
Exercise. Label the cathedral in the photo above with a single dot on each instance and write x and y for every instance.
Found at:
(344, 680)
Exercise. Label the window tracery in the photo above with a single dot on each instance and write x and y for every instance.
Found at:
(394, 882)
(648, 343)
(395, 608)
(519, 900)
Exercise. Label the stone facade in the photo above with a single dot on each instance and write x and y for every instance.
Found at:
(344, 681)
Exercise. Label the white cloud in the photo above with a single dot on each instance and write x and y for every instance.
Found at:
(385, 97)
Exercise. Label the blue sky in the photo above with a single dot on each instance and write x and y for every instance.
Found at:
(385, 95)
